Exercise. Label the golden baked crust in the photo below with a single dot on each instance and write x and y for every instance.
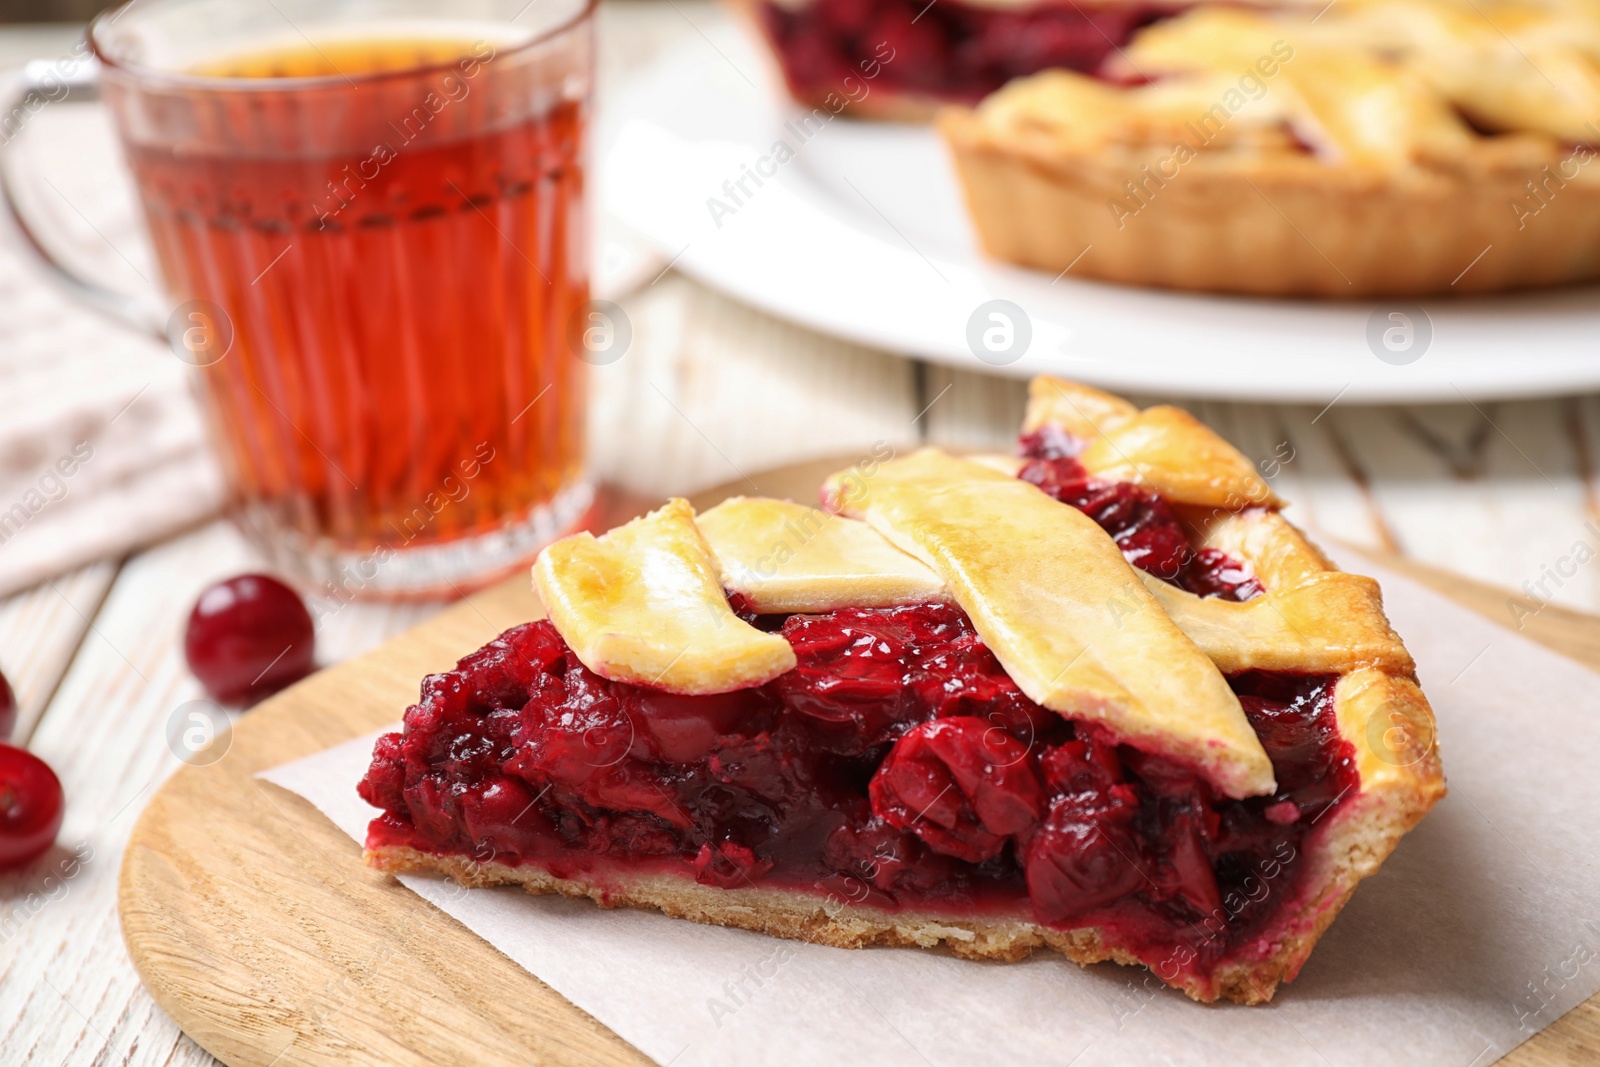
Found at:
(1162, 448)
(1310, 618)
(643, 604)
(1286, 153)
(1280, 228)
(1055, 601)
(784, 557)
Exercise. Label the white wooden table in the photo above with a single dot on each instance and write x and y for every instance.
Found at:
(709, 392)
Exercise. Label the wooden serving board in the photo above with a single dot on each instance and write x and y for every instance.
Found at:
(254, 924)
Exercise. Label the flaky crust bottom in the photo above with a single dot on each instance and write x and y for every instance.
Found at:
(1274, 226)
(1361, 834)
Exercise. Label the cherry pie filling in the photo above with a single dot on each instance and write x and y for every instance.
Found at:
(897, 766)
(1139, 520)
(954, 51)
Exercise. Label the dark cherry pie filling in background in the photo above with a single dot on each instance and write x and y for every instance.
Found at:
(897, 766)
(949, 50)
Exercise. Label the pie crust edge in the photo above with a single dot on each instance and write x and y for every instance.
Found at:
(1226, 226)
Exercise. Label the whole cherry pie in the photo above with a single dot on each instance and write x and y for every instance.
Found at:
(1367, 147)
(1275, 147)
(1097, 697)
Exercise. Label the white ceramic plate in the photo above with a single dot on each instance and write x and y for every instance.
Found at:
(861, 234)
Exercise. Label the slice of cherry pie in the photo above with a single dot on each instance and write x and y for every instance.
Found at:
(1098, 697)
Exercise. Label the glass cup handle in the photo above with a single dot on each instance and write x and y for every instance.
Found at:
(42, 83)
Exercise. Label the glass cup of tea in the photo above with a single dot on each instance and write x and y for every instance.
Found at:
(369, 218)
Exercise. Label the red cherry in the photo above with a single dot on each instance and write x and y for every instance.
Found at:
(30, 806)
(248, 637)
(961, 784)
(8, 709)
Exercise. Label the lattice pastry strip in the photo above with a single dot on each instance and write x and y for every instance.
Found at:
(643, 604)
(1162, 448)
(1057, 603)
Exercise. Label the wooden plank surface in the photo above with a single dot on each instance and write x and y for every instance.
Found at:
(67, 991)
(40, 633)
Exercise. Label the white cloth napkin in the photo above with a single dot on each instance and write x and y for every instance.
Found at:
(102, 449)
(1477, 933)
(101, 444)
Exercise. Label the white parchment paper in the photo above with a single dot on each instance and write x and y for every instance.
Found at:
(1483, 928)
